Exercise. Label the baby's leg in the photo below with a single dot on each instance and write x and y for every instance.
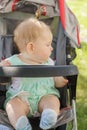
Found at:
(49, 106)
(49, 101)
(17, 111)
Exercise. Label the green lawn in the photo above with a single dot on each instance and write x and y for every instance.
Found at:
(79, 7)
(81, 62)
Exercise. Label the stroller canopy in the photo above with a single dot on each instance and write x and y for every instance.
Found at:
(46, 8)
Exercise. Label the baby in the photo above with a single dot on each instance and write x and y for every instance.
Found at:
(26, 96)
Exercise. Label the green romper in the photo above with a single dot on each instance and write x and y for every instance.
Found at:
(32, 88)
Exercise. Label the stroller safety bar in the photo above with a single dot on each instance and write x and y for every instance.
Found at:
(38, 71)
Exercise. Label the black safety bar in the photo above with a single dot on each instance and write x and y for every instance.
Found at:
(38, 71)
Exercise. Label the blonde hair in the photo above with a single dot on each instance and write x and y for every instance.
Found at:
(29, 31)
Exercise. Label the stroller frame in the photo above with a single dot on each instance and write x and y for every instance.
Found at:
(61, 69)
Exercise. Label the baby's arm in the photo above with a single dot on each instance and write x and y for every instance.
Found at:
(4, 63)
(60, 81)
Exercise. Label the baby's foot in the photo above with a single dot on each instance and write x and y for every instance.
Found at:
(48, 119)
(23, 124)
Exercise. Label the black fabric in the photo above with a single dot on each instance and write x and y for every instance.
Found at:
(61, 60)
(63, 127)
(6, 46)
(61, 46)
(6, 50)
(2, 95)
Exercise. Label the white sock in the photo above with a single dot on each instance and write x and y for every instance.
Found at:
(48, 119)
(23, 124)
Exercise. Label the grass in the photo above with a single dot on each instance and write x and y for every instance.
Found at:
(79, 7)
(81, 102)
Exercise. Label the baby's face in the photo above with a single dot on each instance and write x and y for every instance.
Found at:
(43, 48)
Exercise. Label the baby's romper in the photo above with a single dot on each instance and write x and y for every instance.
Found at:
(35, 87)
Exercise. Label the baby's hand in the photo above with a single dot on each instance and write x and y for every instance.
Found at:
(5, 63)
(60, 81)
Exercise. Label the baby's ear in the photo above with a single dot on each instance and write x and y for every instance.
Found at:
(30, 46)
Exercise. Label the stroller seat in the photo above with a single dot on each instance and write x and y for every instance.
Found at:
(66, 115)
(64, 45)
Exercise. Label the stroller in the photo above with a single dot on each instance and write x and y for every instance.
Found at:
(65, 28)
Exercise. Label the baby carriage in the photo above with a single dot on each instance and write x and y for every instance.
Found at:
(65, 30)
